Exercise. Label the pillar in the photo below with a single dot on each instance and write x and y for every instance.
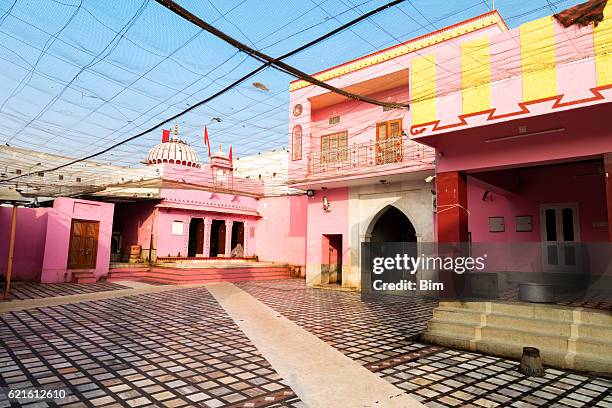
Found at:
(246, 237)
(452, 228)
(228, 238)
(9, 266)
(452, 207)
(608, 171)
(207, 227)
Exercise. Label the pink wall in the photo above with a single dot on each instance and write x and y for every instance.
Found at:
(281, 232)
(360, 118)
(29, 247)
(585, 135)
(54, 268)
(357, 118)
(320, 222)
(134, 220)
(579, 183)
(200, 204)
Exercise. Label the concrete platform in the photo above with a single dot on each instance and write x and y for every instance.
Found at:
(567, 337)
(199, 272)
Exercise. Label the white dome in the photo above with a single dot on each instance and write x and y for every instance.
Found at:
(173, 151)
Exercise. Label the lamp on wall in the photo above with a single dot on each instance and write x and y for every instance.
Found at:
(326, 205)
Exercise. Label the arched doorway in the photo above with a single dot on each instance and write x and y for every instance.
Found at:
(392, 225)
(390, 234)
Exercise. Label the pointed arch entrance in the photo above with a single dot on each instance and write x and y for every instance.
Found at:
(391, 225)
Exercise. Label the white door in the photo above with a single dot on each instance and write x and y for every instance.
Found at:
(560, 237)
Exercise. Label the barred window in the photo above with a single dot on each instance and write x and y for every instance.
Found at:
(296, 136)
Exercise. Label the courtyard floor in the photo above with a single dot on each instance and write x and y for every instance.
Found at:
(199, 346)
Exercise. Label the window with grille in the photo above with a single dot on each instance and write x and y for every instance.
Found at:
(296, 153)
(334, 147)
(334, 120)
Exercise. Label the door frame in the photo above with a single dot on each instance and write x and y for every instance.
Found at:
(561, 267)
(95, 249)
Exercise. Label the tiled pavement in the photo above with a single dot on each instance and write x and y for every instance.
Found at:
(374, 332)
(26, 290)
(177, 348)
(180, 348)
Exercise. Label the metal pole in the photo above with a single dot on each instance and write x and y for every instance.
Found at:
(9, 268)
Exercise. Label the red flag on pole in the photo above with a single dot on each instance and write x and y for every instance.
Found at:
(206, 140)
(165, 135)
(231, 157)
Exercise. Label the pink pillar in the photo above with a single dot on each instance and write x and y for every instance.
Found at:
(246, 237)
(207, 225)
(228, 238)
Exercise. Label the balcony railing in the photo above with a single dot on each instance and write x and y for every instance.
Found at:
(400, 151)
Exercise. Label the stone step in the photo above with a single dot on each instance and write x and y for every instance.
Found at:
(204, 281)
(458, 315)
(526, 337)
(595, 363)
(532, 310)
(84, 277)
(454, 327)
(601, 347)
(544, 326)
(575, 338)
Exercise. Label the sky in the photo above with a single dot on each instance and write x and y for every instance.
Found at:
(79, 75)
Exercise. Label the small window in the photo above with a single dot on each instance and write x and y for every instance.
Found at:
(41, 174)
(60, 177)
(334, 120)
(177, 227)
(296, 137)
(17, 171)
(78, 179)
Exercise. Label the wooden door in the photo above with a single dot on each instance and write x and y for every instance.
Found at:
(83, 249)
(240, 234)
(199, 248)
(221, 240)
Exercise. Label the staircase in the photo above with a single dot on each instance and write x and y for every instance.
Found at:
(83, 277)
(572, 338)
(172, 274)
(127, 272)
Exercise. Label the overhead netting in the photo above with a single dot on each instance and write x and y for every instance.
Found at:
(79, 76)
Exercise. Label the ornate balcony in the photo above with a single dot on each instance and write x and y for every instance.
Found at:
(374, 155)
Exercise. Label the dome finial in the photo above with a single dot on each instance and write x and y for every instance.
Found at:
(176, 129)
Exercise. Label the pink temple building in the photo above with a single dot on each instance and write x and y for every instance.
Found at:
(178, 220)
